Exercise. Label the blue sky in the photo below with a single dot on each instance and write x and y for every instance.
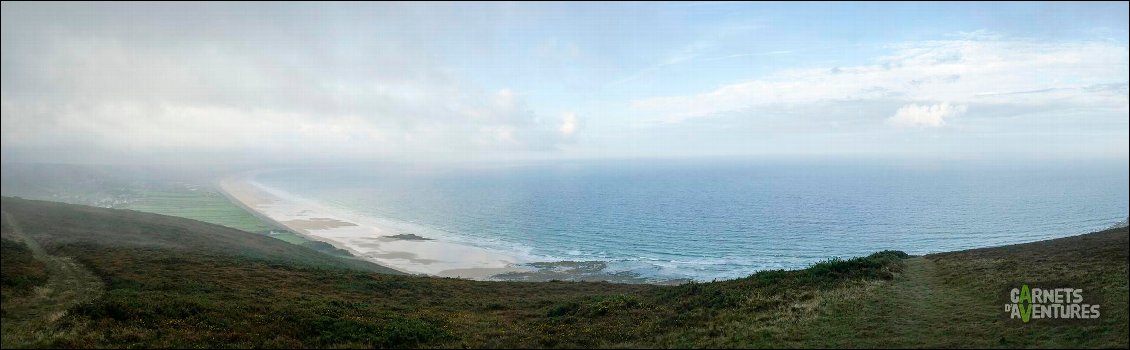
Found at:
(343, 81)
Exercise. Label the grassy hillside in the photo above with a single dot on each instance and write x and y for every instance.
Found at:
(198, 203)
(21, 271)
(955, 299)
(82, 232)
(167, 190)
(170, 282)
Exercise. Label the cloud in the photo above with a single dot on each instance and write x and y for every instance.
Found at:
(754, 54)
(569, 124)
(925, 116)
(210, 81)
(706, 41)
(970, 70)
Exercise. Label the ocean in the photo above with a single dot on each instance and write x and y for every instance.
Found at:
(718, 218)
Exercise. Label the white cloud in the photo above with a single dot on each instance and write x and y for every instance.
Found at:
(925, 116)
(130, 82)
(979, 70)
(569, 124)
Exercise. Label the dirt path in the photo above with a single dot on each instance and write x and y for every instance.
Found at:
(917, 308)
(952, 313)
(28, 320)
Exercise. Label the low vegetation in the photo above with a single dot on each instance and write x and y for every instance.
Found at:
(326, 248)
(20, 270)
(170, 282)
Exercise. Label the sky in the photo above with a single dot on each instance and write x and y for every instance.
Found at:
(302, 82)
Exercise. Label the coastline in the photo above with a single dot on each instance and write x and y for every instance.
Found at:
(366, 240)
(224, 188)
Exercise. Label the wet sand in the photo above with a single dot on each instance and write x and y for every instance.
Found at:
(317, 223)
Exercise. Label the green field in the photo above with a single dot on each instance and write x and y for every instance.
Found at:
(169, 282)
(201, 204)
(159, 191)
(289, 237)
(207, 205)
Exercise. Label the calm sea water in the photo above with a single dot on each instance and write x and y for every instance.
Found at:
(715, 219)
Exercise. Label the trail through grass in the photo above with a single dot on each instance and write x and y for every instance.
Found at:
(954, 299)
(30, 320)
(917, 304)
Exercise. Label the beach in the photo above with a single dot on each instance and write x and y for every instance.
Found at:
(655, 222)
(365, 238)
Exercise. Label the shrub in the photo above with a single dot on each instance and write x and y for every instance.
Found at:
(20, 270)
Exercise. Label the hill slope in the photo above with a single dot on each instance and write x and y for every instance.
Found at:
(170, 282)
(75, 228)
(956, 299)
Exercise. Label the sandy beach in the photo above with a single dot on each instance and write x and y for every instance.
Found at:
(365, 238)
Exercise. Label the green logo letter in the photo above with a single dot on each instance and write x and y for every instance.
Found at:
(1025, 303)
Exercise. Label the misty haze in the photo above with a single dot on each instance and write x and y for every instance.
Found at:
(567, 174)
